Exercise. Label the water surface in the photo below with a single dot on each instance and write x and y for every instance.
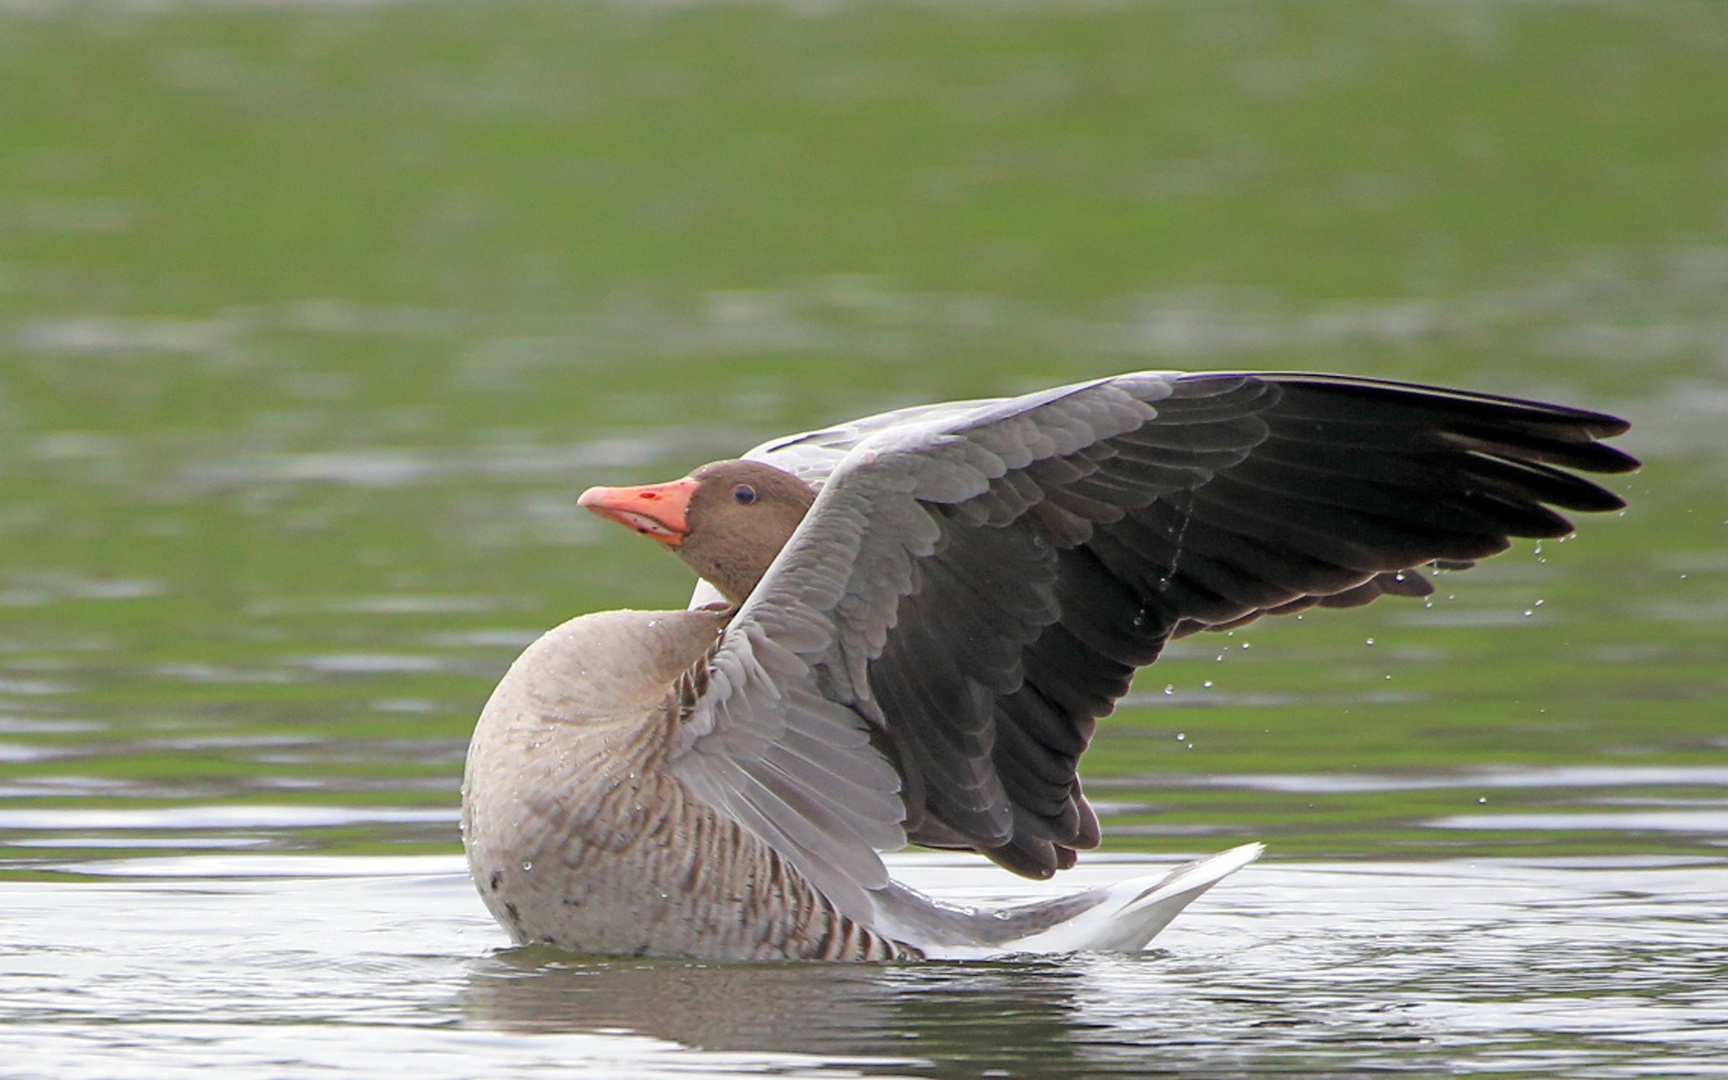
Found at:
(263, 965)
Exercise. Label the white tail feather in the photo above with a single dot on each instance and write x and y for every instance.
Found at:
(1134, 911)
(1122, 917)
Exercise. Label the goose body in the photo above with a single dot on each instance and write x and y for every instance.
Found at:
(906, 628)
(591, 845)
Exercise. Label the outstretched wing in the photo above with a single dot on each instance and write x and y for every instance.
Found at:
(975, 585)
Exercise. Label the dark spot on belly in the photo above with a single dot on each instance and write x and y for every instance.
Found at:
(493, 881)
(515, 916)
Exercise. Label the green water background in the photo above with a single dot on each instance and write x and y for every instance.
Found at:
(315, 319)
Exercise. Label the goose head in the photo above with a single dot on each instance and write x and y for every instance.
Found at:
(727, 520)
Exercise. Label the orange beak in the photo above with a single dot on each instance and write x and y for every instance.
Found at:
(654, 510)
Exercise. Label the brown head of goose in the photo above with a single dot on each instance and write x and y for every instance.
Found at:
(909, 625)
(727, 520)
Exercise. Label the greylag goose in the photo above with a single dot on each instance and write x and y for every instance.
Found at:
(907, 627)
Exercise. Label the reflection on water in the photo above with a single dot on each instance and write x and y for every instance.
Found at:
(783, 1008)
(1586, 967)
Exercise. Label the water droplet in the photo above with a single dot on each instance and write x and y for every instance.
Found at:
(1370, 641)
(1207, 684)
(1482, 800)
(1244, 644)
(527, 864)
(1169, 688)
(1180, 736)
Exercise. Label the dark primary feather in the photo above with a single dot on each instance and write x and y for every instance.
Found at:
(1245, 495)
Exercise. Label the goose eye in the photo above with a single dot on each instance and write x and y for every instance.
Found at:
(744, 494)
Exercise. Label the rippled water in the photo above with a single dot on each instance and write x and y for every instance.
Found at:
(262, 966)
(315, 319)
